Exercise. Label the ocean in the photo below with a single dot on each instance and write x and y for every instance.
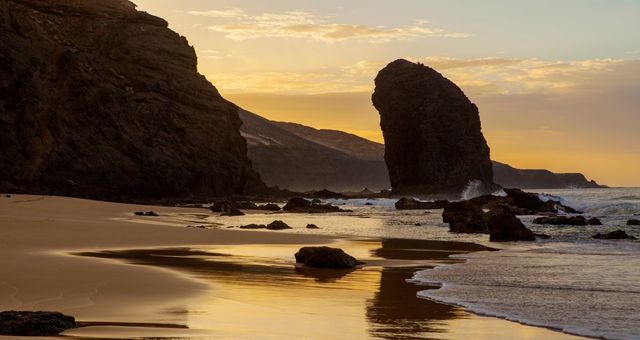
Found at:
(570, 282)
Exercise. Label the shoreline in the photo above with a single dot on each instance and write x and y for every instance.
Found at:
(75, 218)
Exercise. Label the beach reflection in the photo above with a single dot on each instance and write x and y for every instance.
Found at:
(259, 290)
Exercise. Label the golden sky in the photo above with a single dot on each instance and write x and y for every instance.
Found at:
(557, 83)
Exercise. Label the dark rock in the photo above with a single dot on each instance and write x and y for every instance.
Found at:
(614, 235)
(232, 211)
(148, 213)
(269, 207)
(253, 226)
(7, 196)
(35, 323)
(325, 257)
(464, 217)
(312, 226)
(278, 225)
(324, 193)
(423, 116)
(301, 205)
(633, 222)
(297, 203)
(510, 177)
(561, 220)
(504, 226)
(594, 221)
(316, 201)
(118, 112)
(413, 204)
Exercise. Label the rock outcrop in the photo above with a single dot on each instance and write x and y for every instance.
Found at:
(633, 222)
(414, 204)
(432, 132)
(102, 101)
(301, 205)
(614, 235)
(325, 257)
(510, 177)
(34, 323)
(561, 220)
(504, 226)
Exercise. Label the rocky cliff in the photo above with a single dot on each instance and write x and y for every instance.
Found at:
(510, 177)
(297, 157)
(433, 138)
(100, 100)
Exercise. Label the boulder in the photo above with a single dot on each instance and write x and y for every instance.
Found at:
(633, 222)
(301, 205)
(34, 323)
(614, 235)
(278, 225)
(413, 204)
(148, 213)
(325, 257)
(561, 220)
(312, 226)
(102, 101)
(269, 207)
(464, 217)
(504, 226)
(423, 116)
(253, 226)
(594, 221)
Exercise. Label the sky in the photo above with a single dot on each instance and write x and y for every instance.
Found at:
(557, 82)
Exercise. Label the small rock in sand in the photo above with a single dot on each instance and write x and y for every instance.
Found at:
(35, 323)
(312, 226)
(614, 235)
(325, 257)
(148, 213)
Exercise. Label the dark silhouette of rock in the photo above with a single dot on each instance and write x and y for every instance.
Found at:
(102, 101)
(433, 138)
(594, 221)
(312, 226)
(413, 204)
(278, 225)
(325, 257)
(324, 193)
(561, 220)
(504, 226)
(465, 217)
(253, 226)
(301, 205)
(510, 177)
(34, 323)
(269, 207)
(142, 213)
(633, 222)
(614, 235)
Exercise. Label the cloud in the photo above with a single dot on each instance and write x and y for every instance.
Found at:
(487, 76)
(239, 25)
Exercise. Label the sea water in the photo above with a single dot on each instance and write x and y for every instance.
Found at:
(570, 282)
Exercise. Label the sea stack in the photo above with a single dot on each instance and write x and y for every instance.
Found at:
(100, 100)
(432, 133)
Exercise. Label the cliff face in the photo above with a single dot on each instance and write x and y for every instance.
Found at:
(433, 138)
(299, 158)
(99, 100)
(510, 177)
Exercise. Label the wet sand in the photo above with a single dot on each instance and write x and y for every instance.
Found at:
(126, 276)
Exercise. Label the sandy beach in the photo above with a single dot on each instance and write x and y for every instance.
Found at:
(124, 276)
